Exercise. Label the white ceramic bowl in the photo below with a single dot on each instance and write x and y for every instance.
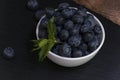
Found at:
(73, 62)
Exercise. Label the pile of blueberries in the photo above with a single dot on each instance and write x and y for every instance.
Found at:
(77, 32)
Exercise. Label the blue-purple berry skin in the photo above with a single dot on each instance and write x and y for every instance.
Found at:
(86, 53)
(59, 20)
(74, 41)
(56, 49)
(92, 45)
(63, 6)
(77, 53)
(63, 35)
(78, 19)
(83, 47)
(75, 30)
(86, 27)
(68, 25)
(68, 13)
(97, 29)
(39, 14)
(49, 12)
(65, 50)
(8, 53)
(92, 20)
(88, 36)
(82, 12)
(32, 5)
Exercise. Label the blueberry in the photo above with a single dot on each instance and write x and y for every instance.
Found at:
(82, 11)
(92, 45)
(68, 25)
(63, 6)
(56, 48)
(86, 27)
(74, 41)
(32, 5)
(39, 14)
(83, 47)
(99, 37)
(49, 12)
(75, 29)
(65, 50)
(57, 13)
(59, 20)
(58, 28)
(91, 19)
(85, 53)
(8, 53)
(78, 19)
(88, 36)
(44, 22)
(77, 53)
(68, 13)
(81, 7)
(64, 34)
(42, 33)
(97, 29)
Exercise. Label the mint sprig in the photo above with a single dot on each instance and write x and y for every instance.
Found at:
(45, 45)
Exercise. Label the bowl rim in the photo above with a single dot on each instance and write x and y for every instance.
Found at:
(86, 56)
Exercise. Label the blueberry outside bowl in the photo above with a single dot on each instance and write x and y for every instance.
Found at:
(73, 62)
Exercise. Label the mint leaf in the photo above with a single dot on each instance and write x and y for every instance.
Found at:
(51, 28)
(43, 42)
(45, 49)
(45, 45)
(39, 44)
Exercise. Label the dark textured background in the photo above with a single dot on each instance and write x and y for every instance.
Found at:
(17, 28)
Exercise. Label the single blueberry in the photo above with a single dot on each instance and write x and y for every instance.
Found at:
(75, 30)
(88, 36)
(57, 13)
(86, 27)
(77, 53)
(85, 53)
(74, 41)
(63, 35)
(49, 12)
(99, 37)
(68, 13)
(8, 53)
(42, 33)
(68, 25)
(92, 45)
(83, 47)
(32, 5)
(63, 6)
(97, 29)
(56, 48)
(39, 14)
(82, 11)
(65, 50)
(91, 19)
(78, 19)
(59, 20)
(58, 28)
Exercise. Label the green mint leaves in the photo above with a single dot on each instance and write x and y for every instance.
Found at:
(45, 45)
